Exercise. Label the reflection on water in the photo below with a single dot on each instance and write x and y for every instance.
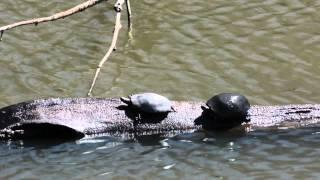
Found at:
(186, 50)
(265, 155)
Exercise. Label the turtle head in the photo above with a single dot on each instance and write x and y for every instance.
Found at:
(225, 111)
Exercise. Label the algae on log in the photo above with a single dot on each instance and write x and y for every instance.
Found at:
(77, 117)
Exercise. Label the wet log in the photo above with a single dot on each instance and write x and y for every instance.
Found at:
(79, 117)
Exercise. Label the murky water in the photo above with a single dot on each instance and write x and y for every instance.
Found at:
(260, 155)
(186, 50)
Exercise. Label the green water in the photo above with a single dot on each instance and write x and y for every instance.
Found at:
(186, 50)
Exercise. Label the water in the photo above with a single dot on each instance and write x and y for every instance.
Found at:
(260, 155)
(186, 50)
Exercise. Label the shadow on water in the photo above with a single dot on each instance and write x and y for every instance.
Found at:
(201, 136)
(143, 140)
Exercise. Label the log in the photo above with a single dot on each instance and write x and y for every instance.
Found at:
(78, 117)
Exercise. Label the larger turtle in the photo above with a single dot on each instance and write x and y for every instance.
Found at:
(226, 110)
(149, 103)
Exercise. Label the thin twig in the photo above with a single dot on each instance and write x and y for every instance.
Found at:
(1, 34)
(129, 15)
(129, 19)
(53, 17)
(117, 27)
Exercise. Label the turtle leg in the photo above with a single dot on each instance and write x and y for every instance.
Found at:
(204, 108)
(125, 100)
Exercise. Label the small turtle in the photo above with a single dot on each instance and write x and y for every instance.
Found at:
(149, 103)
(227, 109)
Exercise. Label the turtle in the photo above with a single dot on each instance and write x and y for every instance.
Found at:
(149, 103)
(226, 110)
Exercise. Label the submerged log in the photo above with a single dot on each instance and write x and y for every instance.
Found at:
(79, 117)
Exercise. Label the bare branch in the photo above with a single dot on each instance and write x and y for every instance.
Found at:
(1, 34)
(53, 17)
(129, 19)
(117, 27)
(129, 15)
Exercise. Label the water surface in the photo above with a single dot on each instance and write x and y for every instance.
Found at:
(186, 50)
(260, 155)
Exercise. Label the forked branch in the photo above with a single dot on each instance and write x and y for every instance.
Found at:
(117, 7)
(53, 17)
(117, 27)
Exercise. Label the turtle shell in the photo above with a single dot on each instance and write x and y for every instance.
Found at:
(151, 103)
(229, 105)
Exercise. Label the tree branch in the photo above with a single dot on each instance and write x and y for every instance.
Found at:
(89, 3)
(53, 17)
(117, 27)
(129, 15)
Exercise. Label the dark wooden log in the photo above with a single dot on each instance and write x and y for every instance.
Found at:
(78, 117)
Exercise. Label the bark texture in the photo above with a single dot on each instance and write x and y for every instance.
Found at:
(78, 117)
